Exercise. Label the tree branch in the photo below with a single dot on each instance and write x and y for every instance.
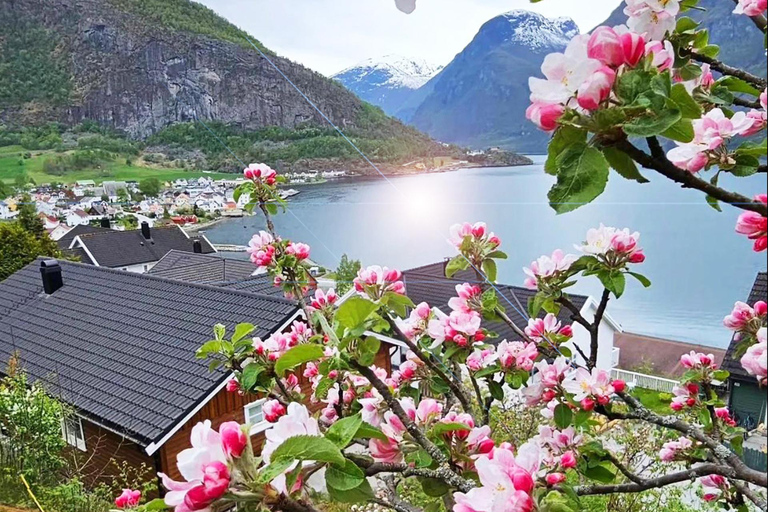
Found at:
(444, 474)
(725, 69)
(750, 494)
(639, 412)
(624, 469)
(747, 103)
(594, 328)
(480, 401)
(666, 168)
(644, 484)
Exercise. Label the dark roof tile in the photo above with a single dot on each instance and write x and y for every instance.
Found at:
(120, 346)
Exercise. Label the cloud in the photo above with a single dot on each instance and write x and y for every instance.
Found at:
(330, 35)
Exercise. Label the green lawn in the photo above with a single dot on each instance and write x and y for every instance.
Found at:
(651, 400)
(12, 164)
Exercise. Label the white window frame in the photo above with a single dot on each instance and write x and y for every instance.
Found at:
(72, 438)
(263, 424)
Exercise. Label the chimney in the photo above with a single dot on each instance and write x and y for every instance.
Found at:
(105, 223)
(50, 270)
(145, 230)
(197, 247)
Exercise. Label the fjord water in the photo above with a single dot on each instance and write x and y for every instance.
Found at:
(698, 265)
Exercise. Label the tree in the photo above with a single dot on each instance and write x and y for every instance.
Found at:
(19, 247)
(122, 195)
(433, 422)
(150, 187)
(21, 181)
(28, 218)
(345, 273)
(30, 420)
(5, 190)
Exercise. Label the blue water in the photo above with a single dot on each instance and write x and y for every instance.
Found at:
(698, 265)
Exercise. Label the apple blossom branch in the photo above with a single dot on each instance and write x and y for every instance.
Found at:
(725, 69)
(759, 20)
(659, 163)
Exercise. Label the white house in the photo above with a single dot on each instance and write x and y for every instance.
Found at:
(77, 217)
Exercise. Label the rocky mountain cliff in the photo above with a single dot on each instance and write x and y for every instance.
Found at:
(480, 98)
(387, 82)
(142, 65)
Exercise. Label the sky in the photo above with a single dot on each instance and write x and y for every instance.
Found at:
(331, 35)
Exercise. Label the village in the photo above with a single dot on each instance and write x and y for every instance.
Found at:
(121, 205)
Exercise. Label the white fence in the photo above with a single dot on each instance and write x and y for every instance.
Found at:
(641, 380)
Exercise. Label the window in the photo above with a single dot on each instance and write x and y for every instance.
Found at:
(72, 430)
(254, 416)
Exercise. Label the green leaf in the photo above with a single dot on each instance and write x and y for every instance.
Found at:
(344, 430)
(250, 376)
(489, 269)
(499, 255)
(420, 458)
(367, 350)
(314, 448)
(296, 356)
(632, 84)
(344, 477)
(640, 277)
(442, 428)
(648, 126)
(274, 470)
(367, 431)
(599, 473)
(354, 311)
(685, 24)
(323, 386)
(360, 494)
(496, 390)
(565, 137)
(455, 264)
(689, 108)
(209, 347)
(434, 487)
(241, 331)
(681, 131)
(721, 375)
(582, 177)
(563, 416)
(219, 331)
(623, 164)
(614, 281)
(714, 203)
(753, 149)
(156, 504)
(738, 85)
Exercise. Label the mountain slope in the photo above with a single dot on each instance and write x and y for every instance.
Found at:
(142, 65)
(480, 98)
(741, 44)
(387, 82)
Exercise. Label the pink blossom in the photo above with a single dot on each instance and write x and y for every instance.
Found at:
(555, 478)
(619, 385)
(372, 409)
(697, 360)
(568, 460)
(585, 384)
(755, 359)
(547, 377)
(469, 298)
(476, 233)
(545, 115)
(743, 316)
(428, 410)
(297, 422)
(684, 396)
(416, 324)
(754, 226)
(129, 498)
(605, 45)
(479, 439)
(654, 18)
(663, 54)
(264, 257)
(632, 45)
(547, 267)
(273, 410)
(204, 468)
(375, 281)
(725, 415)
(260, 172)
(564, 73)
(506, 483)
(517, 355)
(323, 300)
(259, 241)
(233, 439)
(233, 386)
(480, 359)
(670, 450)
(751, 7)
(298, 250)
(713, 486)
(690, 157)
(596, 88)
(539, 329)
(385, 450)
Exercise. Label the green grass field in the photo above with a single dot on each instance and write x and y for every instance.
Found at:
(12, 164)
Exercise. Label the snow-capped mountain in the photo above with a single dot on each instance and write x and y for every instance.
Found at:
(480, 98)
(387, 81)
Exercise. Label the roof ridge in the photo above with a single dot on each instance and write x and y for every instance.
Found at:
(174, 281)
